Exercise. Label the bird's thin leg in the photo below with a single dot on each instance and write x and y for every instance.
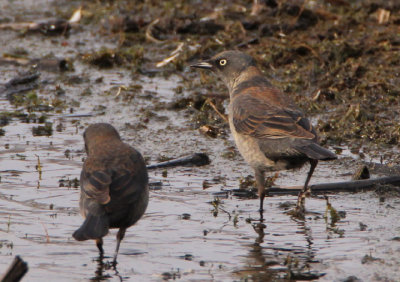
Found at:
(313, 164)
(261, 187)
(120, 236)
(99, 244)
(306, 190)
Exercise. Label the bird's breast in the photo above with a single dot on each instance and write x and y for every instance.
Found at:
(249, 148)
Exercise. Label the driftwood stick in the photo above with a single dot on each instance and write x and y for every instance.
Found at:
(197, 159)
(16, 271)
(345, 186)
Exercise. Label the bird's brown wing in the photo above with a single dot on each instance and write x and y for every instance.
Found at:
(95, 183)
(261, 119)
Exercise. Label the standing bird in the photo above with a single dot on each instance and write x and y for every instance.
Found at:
(270, 131)
(114, 186)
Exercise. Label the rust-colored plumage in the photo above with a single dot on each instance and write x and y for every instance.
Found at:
(270, 131)
(114, 185)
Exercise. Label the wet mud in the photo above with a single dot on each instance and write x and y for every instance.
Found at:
(104, 69)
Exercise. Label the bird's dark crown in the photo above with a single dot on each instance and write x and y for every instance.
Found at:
(98, 133)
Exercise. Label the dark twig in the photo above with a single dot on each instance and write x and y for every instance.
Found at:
(345, 186)
(197, 159)
(16, 271)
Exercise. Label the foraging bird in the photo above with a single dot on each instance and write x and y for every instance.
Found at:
(114, 186)
(270, 131)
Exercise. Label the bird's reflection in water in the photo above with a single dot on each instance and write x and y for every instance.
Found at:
(258, 265)
(271, 262)
(101, 273)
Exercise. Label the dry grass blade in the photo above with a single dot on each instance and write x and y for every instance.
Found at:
(76, 16)
(172, 57)
(149, 35)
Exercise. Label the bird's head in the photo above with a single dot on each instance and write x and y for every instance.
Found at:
(99, 133)
(228, 65)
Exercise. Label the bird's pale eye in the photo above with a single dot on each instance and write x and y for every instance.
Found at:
(222, 62)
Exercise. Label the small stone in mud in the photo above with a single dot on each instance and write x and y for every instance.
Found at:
(206, 184)
(185, 216)
(363, 226)
(342, 214)
(187, 257)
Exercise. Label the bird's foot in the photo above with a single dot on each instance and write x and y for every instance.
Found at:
(300, 210)
(261, 211)
(114, 263)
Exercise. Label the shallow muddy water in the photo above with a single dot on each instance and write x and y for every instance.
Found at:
(188, 233)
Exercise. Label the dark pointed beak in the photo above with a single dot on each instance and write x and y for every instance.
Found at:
(202, 65)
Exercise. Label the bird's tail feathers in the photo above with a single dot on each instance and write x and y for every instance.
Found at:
(94, 227)
(316, 152)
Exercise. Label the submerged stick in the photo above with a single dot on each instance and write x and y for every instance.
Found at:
(345, 186)
(22, 83)
(197, 159)
(16, 271)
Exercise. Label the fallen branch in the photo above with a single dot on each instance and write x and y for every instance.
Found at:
(345, 186)
(16, 271)
(197, 159)
(22, 83)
